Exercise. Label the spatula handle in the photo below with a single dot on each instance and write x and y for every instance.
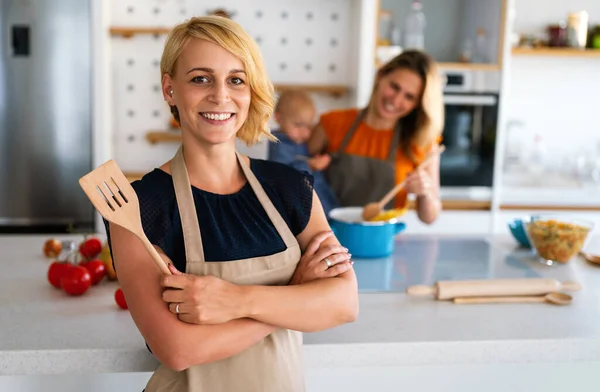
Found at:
(155, 255)
(390, 195)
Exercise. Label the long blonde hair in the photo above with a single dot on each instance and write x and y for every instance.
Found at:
(232, 37)
(426, 122)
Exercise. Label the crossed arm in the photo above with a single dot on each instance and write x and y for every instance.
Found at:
(247, 314)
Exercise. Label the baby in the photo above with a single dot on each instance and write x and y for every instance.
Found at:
(295, 113)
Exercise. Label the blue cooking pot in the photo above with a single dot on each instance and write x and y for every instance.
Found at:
(364, 239)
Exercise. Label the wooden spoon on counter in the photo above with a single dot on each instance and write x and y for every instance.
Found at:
(594, 259)
(371, 210)
(553, 298)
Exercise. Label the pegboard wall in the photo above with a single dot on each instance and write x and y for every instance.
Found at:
(302, 42)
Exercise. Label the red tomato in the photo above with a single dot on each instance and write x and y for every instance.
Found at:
(76, 281)
(96, 268)
(90, 248)
(56, 271)
(120, 298)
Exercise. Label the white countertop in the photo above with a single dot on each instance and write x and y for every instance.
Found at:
(43, 331)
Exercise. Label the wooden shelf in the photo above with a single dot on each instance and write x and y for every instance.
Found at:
(128, 32)
(556, 52)
(519, 207)
(457, 65)
(471, 66)
(460, 205)
(154, 137)
(333, 90)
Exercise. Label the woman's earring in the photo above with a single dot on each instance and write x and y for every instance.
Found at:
(171, 92)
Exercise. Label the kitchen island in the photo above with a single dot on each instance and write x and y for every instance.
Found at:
(45, 332)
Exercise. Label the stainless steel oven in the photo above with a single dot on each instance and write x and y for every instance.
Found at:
(471, 116)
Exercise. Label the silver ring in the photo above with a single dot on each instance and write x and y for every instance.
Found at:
(327, 262)
(177, 308)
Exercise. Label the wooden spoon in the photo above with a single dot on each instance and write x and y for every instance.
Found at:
(590, 257)
(371, 210)
(555, 298)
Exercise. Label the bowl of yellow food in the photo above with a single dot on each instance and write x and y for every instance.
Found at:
(557, 239)
(366, 239)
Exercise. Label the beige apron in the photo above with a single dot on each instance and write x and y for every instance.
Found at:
(274, 364)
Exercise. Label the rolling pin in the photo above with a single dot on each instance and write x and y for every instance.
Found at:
(448, 289)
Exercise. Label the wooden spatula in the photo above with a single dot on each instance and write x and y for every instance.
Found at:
(114, 198)
(371, 210)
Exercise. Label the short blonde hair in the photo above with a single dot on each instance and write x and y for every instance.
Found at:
(230, 36)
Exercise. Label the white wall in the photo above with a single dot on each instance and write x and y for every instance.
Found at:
(532, 16)
(308, 42)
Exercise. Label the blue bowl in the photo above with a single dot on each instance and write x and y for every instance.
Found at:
(364, 239)
(517, 229)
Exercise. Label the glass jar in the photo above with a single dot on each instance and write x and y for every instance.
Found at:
(557, 35)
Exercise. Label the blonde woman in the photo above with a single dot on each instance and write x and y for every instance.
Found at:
(258, 262)
(375, 148)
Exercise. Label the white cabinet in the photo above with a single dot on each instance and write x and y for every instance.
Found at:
(514, 377)
(549, 377)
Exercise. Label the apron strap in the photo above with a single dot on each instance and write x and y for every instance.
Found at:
(351, 130)
(194, 252)
(280, 225)
(393, 145)
(192, 239)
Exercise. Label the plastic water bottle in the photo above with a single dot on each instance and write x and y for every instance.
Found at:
(414, 27)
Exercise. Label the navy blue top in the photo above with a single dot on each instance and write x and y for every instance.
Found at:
(286, 151)
(233, 226)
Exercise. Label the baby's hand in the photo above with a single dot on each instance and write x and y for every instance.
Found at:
(319, 162)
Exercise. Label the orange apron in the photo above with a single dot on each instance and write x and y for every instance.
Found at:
(274, 364)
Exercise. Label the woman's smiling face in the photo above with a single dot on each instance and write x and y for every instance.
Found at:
(398, 93)
(210, 91)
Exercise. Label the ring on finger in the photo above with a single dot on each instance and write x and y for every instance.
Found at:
(327, 262)
(177, 308)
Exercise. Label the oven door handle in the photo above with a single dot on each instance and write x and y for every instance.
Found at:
(479, 100)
